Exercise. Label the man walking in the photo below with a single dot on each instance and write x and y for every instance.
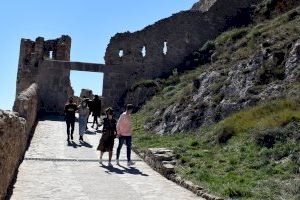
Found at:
(96, 109)
(124, 131)
(70, 110)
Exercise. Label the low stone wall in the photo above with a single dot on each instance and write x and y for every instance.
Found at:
(15, 131)
(26, 104)
(13, 140)
(163, 161)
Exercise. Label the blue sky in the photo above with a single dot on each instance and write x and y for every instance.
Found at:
(90, 23)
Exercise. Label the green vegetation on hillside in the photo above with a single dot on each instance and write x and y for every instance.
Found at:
(252, 154)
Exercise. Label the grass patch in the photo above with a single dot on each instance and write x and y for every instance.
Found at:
(252, 154)
(238, 167)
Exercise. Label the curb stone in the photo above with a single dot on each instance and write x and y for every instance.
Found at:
(163, 161)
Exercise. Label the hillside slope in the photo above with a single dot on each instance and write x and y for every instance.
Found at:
(234, 122)
(249, 65)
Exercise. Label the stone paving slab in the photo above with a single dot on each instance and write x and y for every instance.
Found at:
(56, 169)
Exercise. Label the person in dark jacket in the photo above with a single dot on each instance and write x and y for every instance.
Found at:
(109, 133)
(70, 110)
(96, 109)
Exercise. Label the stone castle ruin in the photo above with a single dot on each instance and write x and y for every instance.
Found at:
(43, 80)
(147, 54)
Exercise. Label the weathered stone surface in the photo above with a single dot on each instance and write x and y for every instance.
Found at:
(203, 5)
(140, 94)
(161, 159)
(26, 104)
(13, 140)
(219, 94)
(166, 43)
(58, 174)
(292, 71)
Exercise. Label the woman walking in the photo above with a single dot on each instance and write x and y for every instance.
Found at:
(83, 111)
(109, 133)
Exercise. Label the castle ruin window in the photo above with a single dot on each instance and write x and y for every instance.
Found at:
(121, 53)
(165, 48)
(143, 51)
(50, 54)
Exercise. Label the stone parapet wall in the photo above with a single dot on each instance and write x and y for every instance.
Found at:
(15, 131)
(13, 142)
(26, 104)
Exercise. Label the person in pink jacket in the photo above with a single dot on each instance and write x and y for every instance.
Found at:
(124, 131)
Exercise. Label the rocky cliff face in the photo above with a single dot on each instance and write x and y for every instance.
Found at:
(248, 66)
(203, 5)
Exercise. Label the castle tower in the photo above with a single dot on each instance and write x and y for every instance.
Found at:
(32, 52)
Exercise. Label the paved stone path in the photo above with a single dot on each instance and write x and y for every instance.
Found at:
(56, 169)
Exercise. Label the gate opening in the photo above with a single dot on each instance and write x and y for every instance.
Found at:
(86, 80)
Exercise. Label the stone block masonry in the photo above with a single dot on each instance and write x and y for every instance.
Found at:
(130, 57)
(13, 141)
(15, 131)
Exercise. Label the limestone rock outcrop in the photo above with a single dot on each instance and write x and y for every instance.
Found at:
(203, 5)
(219, 93)
(140, 93)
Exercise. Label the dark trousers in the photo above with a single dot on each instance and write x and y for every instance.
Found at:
(123, 139)
(95, 120)
(70, 123)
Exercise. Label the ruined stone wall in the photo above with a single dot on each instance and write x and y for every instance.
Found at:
(31, 52)
(27, 105)
(15, 130)
(179, 34)
(13, 140)
(55, 86)
(130, 57)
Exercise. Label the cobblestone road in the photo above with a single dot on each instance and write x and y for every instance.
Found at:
(56, 169)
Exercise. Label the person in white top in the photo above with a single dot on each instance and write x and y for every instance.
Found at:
(83, 111)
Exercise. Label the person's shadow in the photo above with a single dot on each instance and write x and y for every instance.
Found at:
(73, 144)
(130, 170)
(90, 132)
(85, 144)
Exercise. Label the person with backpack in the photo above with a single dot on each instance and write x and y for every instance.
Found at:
(70, 110)
(124, 131)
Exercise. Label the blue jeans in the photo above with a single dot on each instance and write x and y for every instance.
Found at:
(127, 139)
(82, 124)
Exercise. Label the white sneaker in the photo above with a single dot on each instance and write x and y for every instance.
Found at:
(129, 163)
(109, 164)
(100, 161)
(117, 161)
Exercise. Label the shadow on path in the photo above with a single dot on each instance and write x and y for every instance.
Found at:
(85, 144)
(123, 170)
(73, 144)
(57, 118)
(89, 132)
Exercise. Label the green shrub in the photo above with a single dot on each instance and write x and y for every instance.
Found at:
(234, 191)
(225, 134)
(194, 143)
(145, 83)
(208, 46)
(268, 137)
(234, 34)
